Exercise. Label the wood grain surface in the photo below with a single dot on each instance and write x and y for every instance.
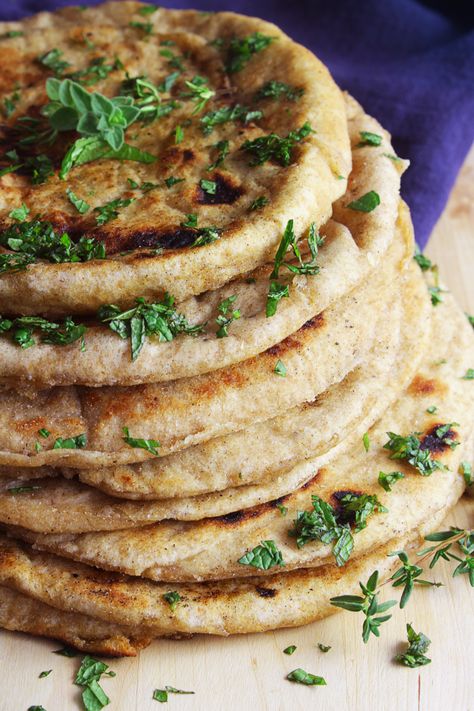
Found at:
(249, 672)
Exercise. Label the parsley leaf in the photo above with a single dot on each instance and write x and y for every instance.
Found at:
(274, 147)
(366, 203)
(302, 677)
(172, 598)
(277, 89)
(147, 319)
(149, 445)
(38, 239)
(44, 674)
(81, 205)
(222, 148)
(226, 316)
(78, 442)
(418, 644)
(369, 139)
(52, 60)
(224, 114)
(110, 211)
(321, 524)
(386, 481)
(259, 202)
(240, 51)
(264, 556)
(199, 92)
(412, 449)
(21, 330)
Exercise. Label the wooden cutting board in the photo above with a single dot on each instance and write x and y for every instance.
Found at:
(248, 673)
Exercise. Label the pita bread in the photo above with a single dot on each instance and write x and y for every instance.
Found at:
(344, 259)
(304, 190)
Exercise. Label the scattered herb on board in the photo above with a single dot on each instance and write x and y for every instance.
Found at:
(88, 676)
(469, 374)
(264, 556)
(366, 203)
(302, 677)
(408, 575)
(161, 695)
(149, 445)
(44, 674)
(323, 647)
(274, 147)
(290, 650)
(226, 316)
(145, 320)
(368, 604)
(418, 644)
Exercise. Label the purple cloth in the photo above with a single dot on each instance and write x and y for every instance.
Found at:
(410, 63)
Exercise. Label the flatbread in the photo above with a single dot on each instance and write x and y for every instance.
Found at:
(21, 613)
(353, 247)
(185, 412)
(305, 190)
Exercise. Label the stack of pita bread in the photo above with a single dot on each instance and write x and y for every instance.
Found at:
(151, 486)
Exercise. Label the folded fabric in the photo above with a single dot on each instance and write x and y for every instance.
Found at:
(409, 63)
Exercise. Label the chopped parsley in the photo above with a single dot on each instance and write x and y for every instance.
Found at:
(321, 524)
(169, 182)
(278, 290)
(199, 92)
(264, 556)
(290, 650)
(88, 676)
(43, 432)
(10, 102)
(147, 96)
(302, 677)
(466, 470)
(147, 10)
(145, 27)
(280, 368)
(240, 51)
(20, 214)
(173, 60)
(222, 148)
(282, 509)
(366, 441)
(147, 319)
(469, 375)
(161, 695)
(435, 293)
(431, 409)
(23, 489)
(53, 61)
(259, 202)
(278, 89)
(97, 70)
(37, 239)
(418, 644)
(274, 147)
(226, 316)
(361, 506)
(172, 598)
(411, 448)
(323, 647)
(470, 319)
(386, 481)
(228, 113)
(208, 186)
(110, 211)
(81, 205)
(178, 135)
(78, 442)
(366, 203)
(149, 445)
(44, 674)
(21, 331)
(423, 262)
(369, 139)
